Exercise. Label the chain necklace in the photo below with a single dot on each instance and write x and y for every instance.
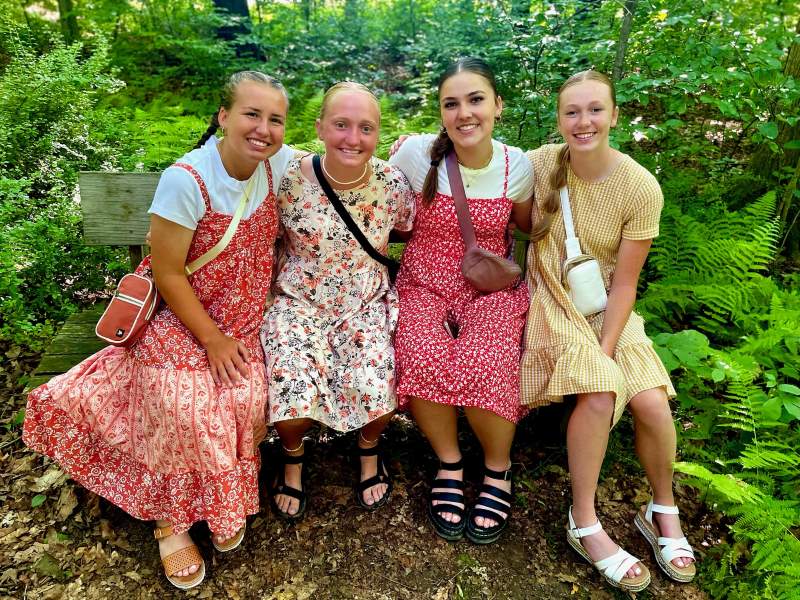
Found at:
(343, 183)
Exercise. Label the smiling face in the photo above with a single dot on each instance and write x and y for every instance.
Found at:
(469, 108)
(254, 124)
(586, 114)
(349, 128)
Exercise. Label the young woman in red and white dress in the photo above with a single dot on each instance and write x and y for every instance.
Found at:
(455, 346)
(168, 428)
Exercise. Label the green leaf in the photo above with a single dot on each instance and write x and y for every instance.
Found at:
(38, 500)
(789, 389)
(769, 130)
(673, 123)
(792, 407)
(717, 375)
(792, 145)
(771, 409)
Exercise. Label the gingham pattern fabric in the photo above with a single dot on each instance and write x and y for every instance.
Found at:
(562, 352)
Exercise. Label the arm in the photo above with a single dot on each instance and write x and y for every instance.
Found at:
(521, 215)
(622, 295)
(170, 246)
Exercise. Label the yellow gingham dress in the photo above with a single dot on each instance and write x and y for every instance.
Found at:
(562, 352)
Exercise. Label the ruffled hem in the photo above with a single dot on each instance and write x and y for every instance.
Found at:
(223, 499)
(507, 410)
(328, 417)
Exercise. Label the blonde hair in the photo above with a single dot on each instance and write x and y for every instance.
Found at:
(558, 178)
(346, 86)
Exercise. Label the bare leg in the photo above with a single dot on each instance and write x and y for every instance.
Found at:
(439, 424)
(587, 439)
(173, 543)
(368, 438)
(655, 446)
(496, 435)
(291, 433)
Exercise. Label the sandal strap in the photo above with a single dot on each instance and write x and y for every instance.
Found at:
(370, 481)
(659, 508)
(447, 497)
(376, 449)
(294, 460)
(447, 508)
(496, 492)
(455, 484)
(483, 501)
(617, 565)
(488, 514)
(579, 532)
(452, 466)
(286, 490)
(181, 559)
(502, 475)
(672, 548)
(162, 532)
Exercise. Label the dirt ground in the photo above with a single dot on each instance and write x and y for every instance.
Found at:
(58, 540)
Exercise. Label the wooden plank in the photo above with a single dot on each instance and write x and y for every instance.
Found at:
(114, 207)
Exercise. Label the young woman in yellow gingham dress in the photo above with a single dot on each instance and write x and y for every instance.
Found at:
(605, 360)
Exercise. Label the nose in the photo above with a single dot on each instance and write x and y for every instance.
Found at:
(352, 136)
(463, 110)
(263, 127)
(583, 118)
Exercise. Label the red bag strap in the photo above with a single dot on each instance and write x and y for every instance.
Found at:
(460, 200)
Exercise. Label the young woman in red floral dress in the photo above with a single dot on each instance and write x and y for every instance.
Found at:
(168, 428)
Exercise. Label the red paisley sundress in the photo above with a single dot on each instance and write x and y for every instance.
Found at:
(146, 427)
(480, 366)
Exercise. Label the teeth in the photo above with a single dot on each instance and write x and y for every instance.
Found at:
(348, 151)
(257, 142)
(584, 136)
(467, 127)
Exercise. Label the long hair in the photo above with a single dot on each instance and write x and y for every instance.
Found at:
(443, 144)
(558, 178)
(228, 97)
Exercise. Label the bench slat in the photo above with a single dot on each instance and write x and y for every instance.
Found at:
(114, 207)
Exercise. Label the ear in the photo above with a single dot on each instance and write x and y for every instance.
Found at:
(499, 107)
(614, 116)
(318, 127)
(222, 116)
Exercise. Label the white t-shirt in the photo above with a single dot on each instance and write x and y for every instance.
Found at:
(178, 198)
(414, 160)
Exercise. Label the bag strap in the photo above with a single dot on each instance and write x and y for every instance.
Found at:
(215, 251)
(345, 215)
(460, 200)
(571, 242)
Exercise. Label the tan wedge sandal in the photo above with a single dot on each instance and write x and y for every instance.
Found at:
(665, 549)
(180, 560)
(613, 568)
(231, 543)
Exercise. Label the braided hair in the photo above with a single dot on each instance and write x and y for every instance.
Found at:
(229, 96)
(443, 144)
(558, 178)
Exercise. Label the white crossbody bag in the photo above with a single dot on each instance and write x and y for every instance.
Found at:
(581, 272)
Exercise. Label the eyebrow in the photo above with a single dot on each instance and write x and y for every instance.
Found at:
(475, 93)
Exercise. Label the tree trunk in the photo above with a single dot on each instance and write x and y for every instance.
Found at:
(765, 162)
(624, 33)
(238, 24)
(68, 22)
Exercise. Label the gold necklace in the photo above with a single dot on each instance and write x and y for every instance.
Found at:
(344, 183)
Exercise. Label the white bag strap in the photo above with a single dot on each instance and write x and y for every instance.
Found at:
(206, 258)
(572, 243)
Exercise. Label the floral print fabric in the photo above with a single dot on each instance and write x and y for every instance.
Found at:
(328, 335)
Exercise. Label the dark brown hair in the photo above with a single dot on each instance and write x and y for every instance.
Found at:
(443, 144)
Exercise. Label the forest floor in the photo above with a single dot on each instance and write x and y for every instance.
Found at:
(58, 540)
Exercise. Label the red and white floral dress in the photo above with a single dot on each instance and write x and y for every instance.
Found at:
(146, 427)
(480, 366)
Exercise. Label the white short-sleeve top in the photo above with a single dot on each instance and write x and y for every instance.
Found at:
(414, 160)
(178, 198)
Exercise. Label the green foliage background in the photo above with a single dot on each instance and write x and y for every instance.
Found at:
(705, 89)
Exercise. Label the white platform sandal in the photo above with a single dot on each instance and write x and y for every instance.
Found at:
(666, 549)
(613, 568)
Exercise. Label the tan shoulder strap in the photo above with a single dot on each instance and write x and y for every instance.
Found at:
(206, 258)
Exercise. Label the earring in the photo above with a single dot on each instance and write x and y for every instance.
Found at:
(222, 130)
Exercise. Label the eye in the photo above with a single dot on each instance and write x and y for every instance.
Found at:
(597, 109)
(252, 114)
(477, 99)
(569, 113)
(367, 129)
(277, 120)
(449, 104)
(339, 125)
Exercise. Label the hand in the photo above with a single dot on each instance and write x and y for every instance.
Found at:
(227, 359)
(148, 237)
(609, 352)
(396, 146)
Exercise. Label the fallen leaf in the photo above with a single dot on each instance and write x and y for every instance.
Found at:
(67, 502)
(47, 566)
(53, 477)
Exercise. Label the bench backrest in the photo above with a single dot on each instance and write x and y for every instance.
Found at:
(114, 208)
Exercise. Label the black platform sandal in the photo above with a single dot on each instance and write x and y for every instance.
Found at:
(448, 503)
(280, 487)
(487, 535)
(382, 476)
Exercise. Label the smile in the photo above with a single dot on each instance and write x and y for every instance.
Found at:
(349, 151)
(465, 128)
(259, 143)
(585, 136)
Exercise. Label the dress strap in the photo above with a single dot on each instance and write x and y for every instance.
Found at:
(268, 167)
(200, 182)
(505, 176)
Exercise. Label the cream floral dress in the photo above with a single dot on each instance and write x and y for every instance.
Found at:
(327, 336)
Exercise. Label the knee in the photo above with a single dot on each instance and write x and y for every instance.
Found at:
(650, 409)
(598, 405)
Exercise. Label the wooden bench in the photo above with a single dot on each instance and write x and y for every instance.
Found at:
(114, 208)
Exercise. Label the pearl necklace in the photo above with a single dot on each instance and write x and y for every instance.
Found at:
(343, 183)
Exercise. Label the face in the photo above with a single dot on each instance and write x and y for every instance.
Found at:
(585, 115)
(255, 124)
(349, 129)
(469, 109)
